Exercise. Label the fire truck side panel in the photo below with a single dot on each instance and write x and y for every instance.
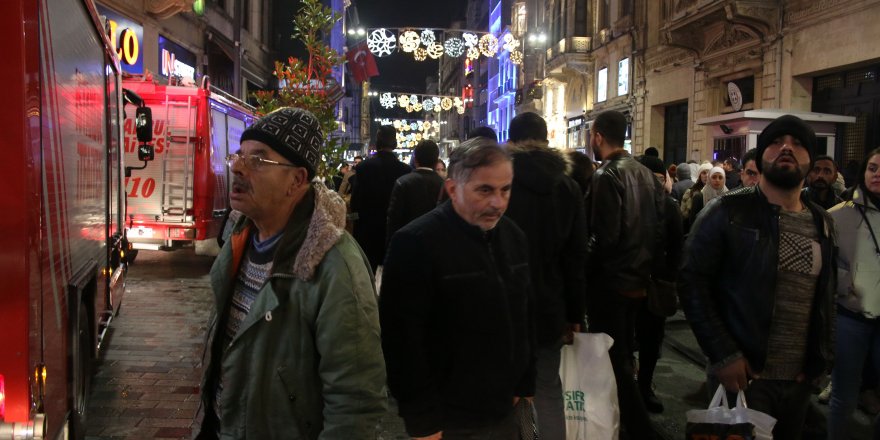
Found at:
(74, 189)
(20, 197)
(57, 128)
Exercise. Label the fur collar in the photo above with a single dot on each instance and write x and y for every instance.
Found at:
(325, 229)
(533, 145)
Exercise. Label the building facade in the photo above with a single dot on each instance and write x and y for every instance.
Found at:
(229, 41)
(672, 65)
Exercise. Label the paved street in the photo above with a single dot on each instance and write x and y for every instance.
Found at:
(146, 384)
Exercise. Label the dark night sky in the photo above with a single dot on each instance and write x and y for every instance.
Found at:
(399, 71)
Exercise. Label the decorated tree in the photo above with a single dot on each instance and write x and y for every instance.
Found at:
(308, 84)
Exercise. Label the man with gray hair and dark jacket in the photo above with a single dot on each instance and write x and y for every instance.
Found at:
(457, 324)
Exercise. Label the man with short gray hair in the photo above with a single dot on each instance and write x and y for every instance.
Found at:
(457, 329)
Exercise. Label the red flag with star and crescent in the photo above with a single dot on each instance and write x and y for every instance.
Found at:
(361, 63)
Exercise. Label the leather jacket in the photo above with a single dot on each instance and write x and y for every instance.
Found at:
(728, 281)
(626, 226)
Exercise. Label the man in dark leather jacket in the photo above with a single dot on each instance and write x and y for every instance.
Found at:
(626, 206)
(757, 282)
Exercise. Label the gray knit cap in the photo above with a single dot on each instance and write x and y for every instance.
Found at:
(292, 132)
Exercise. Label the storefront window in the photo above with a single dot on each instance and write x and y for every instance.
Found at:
(602, 84)
(623, 77)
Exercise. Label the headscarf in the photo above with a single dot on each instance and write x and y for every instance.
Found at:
(710, 193)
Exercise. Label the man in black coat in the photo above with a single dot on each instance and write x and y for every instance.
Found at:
(626, 229)
(416, 193)
(457, 329)
(372, 193)
(547, 205)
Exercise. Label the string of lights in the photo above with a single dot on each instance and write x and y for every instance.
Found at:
(416, 102)
(424, 43)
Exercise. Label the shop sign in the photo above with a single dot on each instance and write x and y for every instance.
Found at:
(174, 60)
(125, 37)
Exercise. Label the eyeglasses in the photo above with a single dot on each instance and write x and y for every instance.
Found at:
(253, 162)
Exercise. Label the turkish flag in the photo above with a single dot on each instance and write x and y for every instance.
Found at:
(361, 63)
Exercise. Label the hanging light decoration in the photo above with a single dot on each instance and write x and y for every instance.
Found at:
(409, 41)
(413, 102)
(488, 45)
(435, 50)
(381, 42)
(425, 43)
(516, 57)
(470, 39)
(387, 101)
(454, 47)
(428, 37)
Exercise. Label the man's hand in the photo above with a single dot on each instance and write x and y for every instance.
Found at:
(436, 436)
(530, 399)
(568, 335)
(735, 376)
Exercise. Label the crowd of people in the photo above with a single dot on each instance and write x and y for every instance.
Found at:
(487, 271)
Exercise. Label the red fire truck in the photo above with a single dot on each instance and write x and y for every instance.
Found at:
(181, 198)
(62, 253)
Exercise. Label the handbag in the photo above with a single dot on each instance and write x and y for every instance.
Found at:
(589, 388)
(662, 298)
(721, 422)
(526, 419)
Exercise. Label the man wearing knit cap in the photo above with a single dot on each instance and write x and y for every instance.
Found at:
(294, 348)
(757, 282)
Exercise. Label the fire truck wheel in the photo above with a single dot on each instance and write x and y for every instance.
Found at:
(82, 374)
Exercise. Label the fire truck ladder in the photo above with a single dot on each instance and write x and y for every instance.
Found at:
(177, 168)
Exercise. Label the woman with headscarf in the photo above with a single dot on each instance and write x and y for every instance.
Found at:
(712, 188)
(715, 187)
(694, 196)
(857, 337)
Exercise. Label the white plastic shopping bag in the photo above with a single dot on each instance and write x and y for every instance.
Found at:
(722, 422)
(589, 388)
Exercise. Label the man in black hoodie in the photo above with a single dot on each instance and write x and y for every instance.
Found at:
(547, 205)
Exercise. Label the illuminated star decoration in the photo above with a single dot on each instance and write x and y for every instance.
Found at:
(381, 42)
